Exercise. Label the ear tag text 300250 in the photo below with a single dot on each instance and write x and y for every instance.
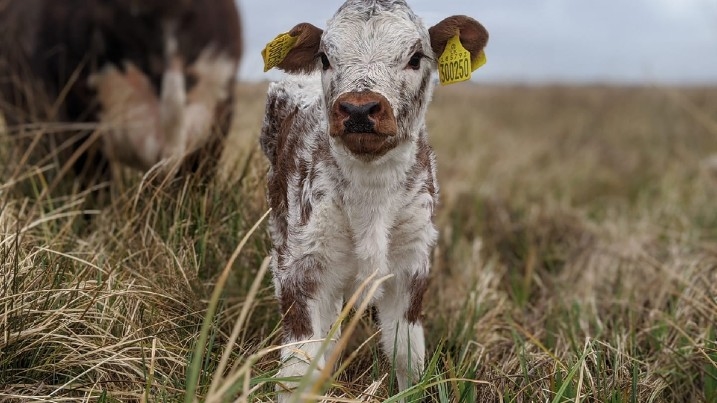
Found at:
(455, 64)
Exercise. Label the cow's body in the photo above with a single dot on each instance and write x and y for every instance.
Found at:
(64, 61)
(352, 184)
(337, 221)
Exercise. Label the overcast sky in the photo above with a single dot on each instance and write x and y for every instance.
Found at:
(633, 41)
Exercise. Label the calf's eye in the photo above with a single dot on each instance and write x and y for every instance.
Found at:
(415, 62)
(324, 61)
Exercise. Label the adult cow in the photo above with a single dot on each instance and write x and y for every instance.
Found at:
(157, 75)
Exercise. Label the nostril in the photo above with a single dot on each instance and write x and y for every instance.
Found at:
(375, 108)
(345, 107)
(359, 111)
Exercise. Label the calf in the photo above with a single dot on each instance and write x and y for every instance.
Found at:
(158, 75)
(352, 183)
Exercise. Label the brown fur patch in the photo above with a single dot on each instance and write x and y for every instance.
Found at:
(282, 167)
(423, 162)
(296, 322)
(473, 35)
(419, 284)
(306, 207)
(294, 295)
(302, 57)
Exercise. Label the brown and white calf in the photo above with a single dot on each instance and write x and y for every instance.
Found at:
(158, 75)
(352, 183)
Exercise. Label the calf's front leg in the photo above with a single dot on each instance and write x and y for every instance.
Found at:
(309, 310)
(402, 336)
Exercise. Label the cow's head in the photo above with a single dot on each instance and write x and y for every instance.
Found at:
(376, 60)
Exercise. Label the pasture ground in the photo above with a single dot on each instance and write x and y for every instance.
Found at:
(577, 262)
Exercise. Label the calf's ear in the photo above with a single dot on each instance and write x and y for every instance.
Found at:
(473, 35)
(294, 51)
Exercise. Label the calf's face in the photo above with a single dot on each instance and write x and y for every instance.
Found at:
(376, 60)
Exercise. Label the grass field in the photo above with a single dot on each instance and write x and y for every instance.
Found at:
(577, 262)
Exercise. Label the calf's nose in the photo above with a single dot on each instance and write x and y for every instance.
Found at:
(359, 117)
(364, 112)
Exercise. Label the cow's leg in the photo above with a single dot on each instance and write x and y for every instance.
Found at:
(309, 310)
(130, 116)
(205, 158)
(402, 337)
(208, 114)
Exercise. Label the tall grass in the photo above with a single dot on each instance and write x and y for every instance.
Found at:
(577, 262)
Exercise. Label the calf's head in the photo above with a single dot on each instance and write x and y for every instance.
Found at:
(376, 60)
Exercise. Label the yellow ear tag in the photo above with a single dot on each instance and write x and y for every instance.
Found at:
(455, 64)
(276, 50)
